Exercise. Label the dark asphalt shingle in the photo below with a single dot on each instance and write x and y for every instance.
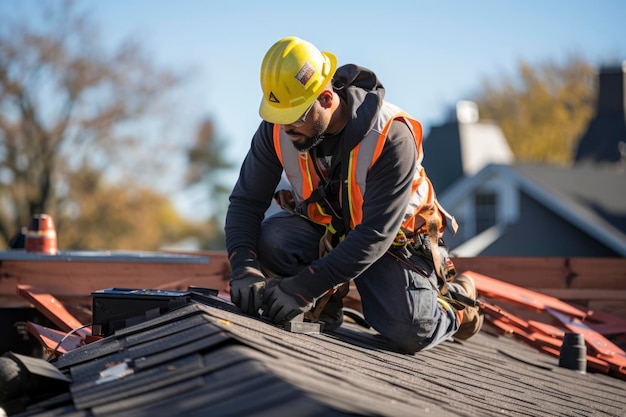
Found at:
(200, 360)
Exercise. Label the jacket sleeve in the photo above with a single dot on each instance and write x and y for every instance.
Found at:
(388, 191)
(252, 195)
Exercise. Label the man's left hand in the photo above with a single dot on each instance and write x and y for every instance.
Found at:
(283, 306)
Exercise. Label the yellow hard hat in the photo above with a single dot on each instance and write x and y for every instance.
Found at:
(293, 74)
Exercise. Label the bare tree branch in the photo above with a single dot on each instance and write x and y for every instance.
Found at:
(63, 99)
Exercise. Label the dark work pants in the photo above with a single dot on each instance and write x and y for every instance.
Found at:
(400, 303)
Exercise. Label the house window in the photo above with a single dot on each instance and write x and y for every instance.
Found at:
(485, 204)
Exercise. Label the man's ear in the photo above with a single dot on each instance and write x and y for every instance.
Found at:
(326, 98)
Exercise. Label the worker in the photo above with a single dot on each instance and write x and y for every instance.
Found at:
(359, 208)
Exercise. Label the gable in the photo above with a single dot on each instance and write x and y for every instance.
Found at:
(580, 198)
(541, 232)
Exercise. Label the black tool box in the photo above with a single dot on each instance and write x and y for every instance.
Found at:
(116, 308)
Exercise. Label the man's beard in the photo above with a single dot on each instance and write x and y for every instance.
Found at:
(312, 141)
(309, 143)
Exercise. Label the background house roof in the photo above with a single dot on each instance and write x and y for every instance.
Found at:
(591, 199)
(594, 193)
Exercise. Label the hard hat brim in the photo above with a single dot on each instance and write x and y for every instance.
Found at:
(280, 114)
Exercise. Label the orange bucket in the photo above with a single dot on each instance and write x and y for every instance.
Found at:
(41, 236)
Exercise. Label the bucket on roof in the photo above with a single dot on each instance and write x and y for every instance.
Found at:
(41, 236)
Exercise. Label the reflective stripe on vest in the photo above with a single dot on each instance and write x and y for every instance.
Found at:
(303, 178)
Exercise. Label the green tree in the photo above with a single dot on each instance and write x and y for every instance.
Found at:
(542, 110)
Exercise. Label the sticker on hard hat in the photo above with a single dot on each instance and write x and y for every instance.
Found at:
(306, 72)
(273, 98)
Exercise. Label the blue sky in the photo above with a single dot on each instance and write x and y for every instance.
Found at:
(428, 55)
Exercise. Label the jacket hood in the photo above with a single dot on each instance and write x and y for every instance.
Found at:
(364, 82)
(364, 94)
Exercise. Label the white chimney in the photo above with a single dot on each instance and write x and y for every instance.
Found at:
(466, 111)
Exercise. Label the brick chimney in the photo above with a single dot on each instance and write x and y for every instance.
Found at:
(605, 138)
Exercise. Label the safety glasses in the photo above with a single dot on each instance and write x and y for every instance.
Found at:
(302, 120)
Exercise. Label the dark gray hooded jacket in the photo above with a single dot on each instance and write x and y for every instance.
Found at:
(387, 193)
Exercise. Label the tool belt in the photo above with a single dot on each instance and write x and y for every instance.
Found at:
(421, 244)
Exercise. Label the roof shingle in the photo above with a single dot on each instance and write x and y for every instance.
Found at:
(201, 360)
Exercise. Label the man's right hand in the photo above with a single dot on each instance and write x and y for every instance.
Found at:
(246, 289)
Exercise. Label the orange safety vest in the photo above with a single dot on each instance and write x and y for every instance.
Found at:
(303, 178)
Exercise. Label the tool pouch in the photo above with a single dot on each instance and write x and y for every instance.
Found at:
(421, 246)
(284, 198)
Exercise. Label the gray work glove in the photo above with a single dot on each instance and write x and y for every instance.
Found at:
(246, 289)
(283, 306)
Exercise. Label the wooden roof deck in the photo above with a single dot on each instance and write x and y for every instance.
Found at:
(596, 283)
